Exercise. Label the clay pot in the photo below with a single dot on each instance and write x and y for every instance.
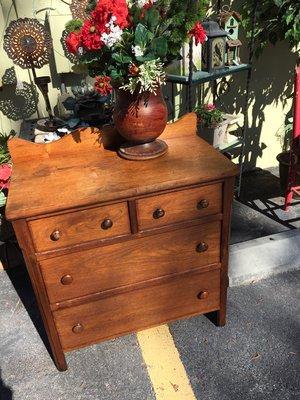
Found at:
(140, 118)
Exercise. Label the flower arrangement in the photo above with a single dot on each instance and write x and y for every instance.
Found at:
(126, 43)
(5, 167)
(209, 116)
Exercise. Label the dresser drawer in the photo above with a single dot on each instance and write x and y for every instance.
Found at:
(179, 206)
(182, 296)
(80, 226)
(95, 270)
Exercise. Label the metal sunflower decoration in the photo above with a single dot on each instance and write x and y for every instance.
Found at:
(78, 9)
(27, 43)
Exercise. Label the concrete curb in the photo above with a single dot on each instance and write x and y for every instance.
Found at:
(262, 257)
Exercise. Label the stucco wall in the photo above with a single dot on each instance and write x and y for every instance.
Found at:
(270, 86)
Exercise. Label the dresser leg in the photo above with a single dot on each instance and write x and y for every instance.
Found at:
(60, 362)
(217, 317)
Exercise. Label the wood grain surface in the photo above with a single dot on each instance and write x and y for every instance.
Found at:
(78, 171)
(138, 309)
(80, 226)
(179, 206)
(129, 262)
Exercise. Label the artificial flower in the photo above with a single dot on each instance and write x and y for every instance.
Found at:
(73, 41)
(209, 107)
(199, 33)
(114, 34)
(5, 173)
(103, 85)
(145, 3)
(137, 51)
(133, 70)
(91, 37)
(105, 9)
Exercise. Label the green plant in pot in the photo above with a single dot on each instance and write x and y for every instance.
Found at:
(212, 124)
(125, 45)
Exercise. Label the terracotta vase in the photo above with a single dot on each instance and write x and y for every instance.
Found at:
(141, 118)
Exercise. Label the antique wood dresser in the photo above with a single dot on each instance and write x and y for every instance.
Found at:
(115, 246)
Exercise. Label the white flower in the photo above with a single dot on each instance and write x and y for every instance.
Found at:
(114, 35)
(142, 3)
(151, 76)
(138, 51)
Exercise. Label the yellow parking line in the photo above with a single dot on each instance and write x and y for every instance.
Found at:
(166, 371)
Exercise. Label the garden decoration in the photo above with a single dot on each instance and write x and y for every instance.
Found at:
(78, 9)
(214, 49)
(230, 20)
(125, 45)
(18, 100)
(29, 44)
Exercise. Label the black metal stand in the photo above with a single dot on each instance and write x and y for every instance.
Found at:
(200, 77)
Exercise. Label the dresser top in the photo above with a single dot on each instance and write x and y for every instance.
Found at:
(83, 169)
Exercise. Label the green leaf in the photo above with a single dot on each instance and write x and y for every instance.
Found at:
(148, 57)
(142, 36)
(160, 46)
(152, 19)
(121, 58)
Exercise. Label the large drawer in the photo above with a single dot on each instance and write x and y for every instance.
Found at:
(133, 261)
(80, 226)
(182, 296)
(179, 206)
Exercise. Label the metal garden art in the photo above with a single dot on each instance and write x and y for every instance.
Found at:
(28, 44)
(125, 45)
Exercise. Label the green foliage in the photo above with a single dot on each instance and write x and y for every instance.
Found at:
(74, 25)
(154, 37)
(275, 20)
(4, 153)
(208, 115)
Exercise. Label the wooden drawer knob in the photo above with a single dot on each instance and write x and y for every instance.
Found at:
(107, 224)
(159, 213)
(202, 204)
(201, 247)
(203, 295)
(55, 235)
(78, 328)
(66, 280)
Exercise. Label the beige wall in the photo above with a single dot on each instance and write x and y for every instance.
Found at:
(270, 85)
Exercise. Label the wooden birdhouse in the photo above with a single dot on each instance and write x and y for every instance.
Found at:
(214, 49)
(230, 22)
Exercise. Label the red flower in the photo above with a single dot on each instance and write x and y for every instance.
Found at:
(91, 37)
(105, 9)
(199, 33)
(209, 107)
(103, 86)
(73, 41)
(5, 173)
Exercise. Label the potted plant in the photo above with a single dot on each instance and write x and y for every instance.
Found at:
(284, 136)
(125, 45)
(212, 124)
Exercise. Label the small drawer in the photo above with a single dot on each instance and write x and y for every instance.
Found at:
(80, 226)
(96, 270)
(183, 296)
(180, 206)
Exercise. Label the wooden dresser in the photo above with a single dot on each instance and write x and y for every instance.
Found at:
(115, 246)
